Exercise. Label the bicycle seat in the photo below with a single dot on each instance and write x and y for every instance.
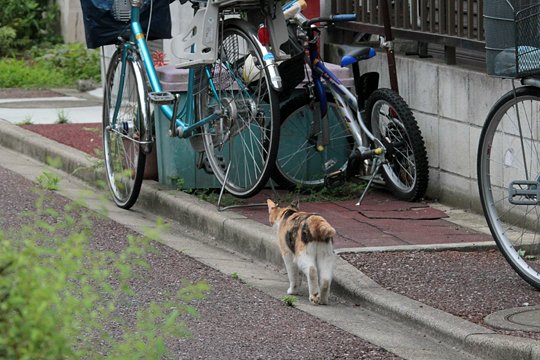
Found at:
(354, 54)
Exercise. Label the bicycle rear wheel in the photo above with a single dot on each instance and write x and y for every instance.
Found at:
(508, 166)
(241, 145)
(299, 164)
(124, 95)
(405, 172)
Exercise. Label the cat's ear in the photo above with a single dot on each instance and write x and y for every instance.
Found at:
(270, 204)
(295, 203)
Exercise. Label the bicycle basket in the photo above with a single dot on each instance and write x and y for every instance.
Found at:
(512, 41)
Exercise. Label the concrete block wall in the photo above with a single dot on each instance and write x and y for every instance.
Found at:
(450, 104)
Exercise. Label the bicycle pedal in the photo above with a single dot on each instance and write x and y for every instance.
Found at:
(335, 179)
(161, 97)
(524, 192)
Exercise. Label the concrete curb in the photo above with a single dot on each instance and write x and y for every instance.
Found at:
(257, 240)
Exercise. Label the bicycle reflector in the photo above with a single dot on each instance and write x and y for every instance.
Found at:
(264, 35)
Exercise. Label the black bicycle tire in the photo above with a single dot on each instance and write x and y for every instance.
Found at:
(291, 182)
(114, 65)
(416, 142)
(494, 218)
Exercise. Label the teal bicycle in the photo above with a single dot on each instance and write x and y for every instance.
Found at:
(231, 114)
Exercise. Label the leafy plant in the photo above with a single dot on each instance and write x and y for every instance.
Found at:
(27, 121)
(178, 182)
(347, 191)
(289, 300)
(63, 118)
(48, 180)
(58, 295)
(74, 60)
(22, 74)
(32, 21)
(7, 40)
(235, 276)
(57, 66)
(212, 196)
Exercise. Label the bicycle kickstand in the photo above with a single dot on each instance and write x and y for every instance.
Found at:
(375, 172)
(223, 208)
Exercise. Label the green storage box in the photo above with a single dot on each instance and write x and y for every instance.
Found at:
(176, 158)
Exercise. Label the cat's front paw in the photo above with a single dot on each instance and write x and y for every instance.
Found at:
(314, 299)
(292, 291)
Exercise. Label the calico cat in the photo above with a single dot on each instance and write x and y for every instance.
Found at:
(306, 244)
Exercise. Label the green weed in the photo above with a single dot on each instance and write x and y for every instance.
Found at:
(347, 191)
(24, 24)
(289, 300)
(59, 295)
(57, 66)
(212, 196)
(15, 73)
(27, 121)
(48, 180)
(62, 117)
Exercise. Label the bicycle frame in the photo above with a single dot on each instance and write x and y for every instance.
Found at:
(185, 122)
(189, 125)
(347, 101)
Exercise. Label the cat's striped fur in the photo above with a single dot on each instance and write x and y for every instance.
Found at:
(306, 244)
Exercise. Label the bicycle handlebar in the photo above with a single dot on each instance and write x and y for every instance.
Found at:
(343, 18)
(330, 19)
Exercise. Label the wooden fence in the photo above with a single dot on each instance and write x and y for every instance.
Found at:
(452, 23)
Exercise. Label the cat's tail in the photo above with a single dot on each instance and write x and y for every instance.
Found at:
(323, 230)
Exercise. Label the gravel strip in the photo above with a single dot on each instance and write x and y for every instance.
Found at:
(470, 285)
(235, 321)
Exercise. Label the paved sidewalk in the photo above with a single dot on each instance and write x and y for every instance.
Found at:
(381, 223)
(48, 106)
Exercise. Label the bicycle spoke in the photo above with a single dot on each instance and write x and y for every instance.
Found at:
(124, 163)
(244, 138)
(509, 165)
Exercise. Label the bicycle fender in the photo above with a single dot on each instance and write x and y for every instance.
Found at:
(369, 82)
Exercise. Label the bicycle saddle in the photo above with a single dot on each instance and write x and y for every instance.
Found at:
(353, 54)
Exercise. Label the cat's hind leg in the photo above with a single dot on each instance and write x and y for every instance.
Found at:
(299, 277)
(293, 274)
(326, 261)
(306, 262)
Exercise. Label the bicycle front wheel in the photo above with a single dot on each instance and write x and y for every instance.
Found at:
(241, 145)
(508, 179)
(299, 163)
(124, 95)
(405, 170)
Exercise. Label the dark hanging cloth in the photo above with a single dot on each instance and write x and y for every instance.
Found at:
(101, 28)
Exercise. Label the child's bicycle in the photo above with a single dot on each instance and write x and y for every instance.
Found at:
(329, 134)
(231, 112)
(508, 162)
